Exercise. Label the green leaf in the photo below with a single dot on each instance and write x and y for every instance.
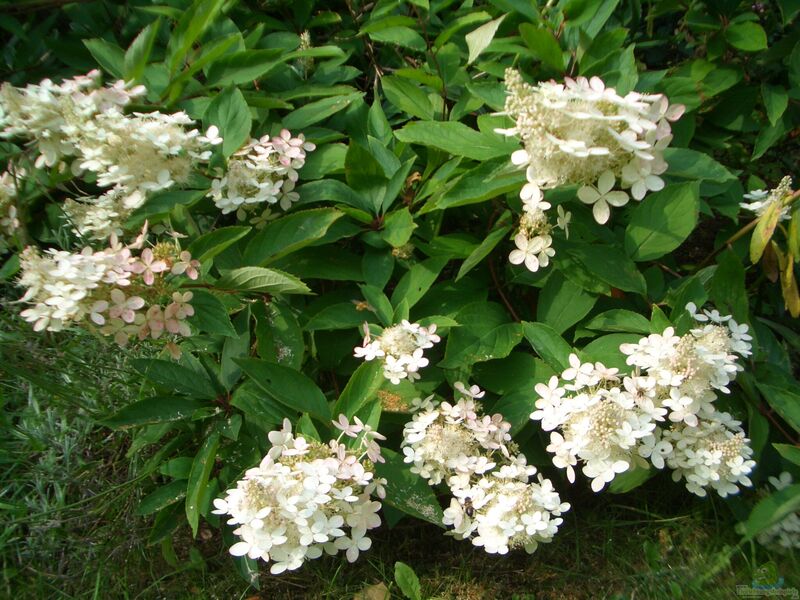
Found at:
(258, 408)
(379, 303)
(210, 314)
(608, 264)
(746, 36)
(317, 111)
(479, 39)
(287, 386)
(691, 164)
(457, 139)
(548, 344)
(605, 349)
(728, 290)
(404, 37)
(262, 280)
(193, 23)
(629, 480)
(162, 497)
(408, 97)
(407, 581)
(577, 12)
(175, 377)
(620, 320)
(772, 509)
(543, 45)
(139, 51)
(520, 370)
(490, 179)
(208, 245)
(364, 383)
(785, 402)
(243, 67)
(287, 234)
(279, 336)
(334, 190)
(419, 278)
(406, 491)
(109, 56)
(484, 334)
(344, 315)
(563, 303)
(159, 409)
(229, 112)
(198, 480)
(776, 99)
(398, 227)
(662, 221)
(483, 250)
(472, 18)
(789, 452)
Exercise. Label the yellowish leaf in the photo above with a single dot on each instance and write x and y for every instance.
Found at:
(763, 231)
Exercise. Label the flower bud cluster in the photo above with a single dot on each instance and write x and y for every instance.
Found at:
(400, 347)
(783, 536)
(132, 155)
(306, 498)
(263, 171)
(761, 200)
(493, 501)
(119, 292)
(663, 412)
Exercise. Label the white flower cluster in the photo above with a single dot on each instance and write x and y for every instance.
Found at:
(582, 132)
(299, 501)
(263, 171)
(400, 348)
(493, 502)
(8, 210)
(124, 295)
(54, 114)
(761, 200)
(132, 154)
(785, 534)
(664, 411)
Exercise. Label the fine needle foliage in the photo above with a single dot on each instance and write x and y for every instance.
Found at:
(421, 299)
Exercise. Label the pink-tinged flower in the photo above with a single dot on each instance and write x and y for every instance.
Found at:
(147, 266)
(154, 323)
(343, 425)
(124, 308)
(180, 308)
(97, 310)
(187, 265)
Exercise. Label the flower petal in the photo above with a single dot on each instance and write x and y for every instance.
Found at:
(601, 211)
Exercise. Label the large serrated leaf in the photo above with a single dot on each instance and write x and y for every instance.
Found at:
(261, 279)
(662, 221)
(287, 386)
(287, 234)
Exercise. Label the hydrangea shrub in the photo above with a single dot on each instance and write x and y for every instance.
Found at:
(316, 223)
